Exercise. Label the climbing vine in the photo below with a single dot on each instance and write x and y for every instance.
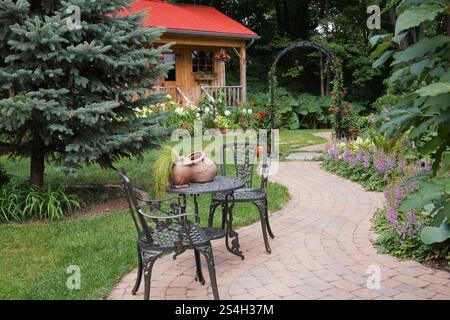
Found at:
(338, 107)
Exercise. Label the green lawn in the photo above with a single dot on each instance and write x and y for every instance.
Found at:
(292, 140)
(34, 257)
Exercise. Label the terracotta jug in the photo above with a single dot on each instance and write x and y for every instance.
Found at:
(181, 175)
(203, 169)
(197, 167)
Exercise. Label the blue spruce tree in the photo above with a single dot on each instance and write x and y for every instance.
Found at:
(68, 88)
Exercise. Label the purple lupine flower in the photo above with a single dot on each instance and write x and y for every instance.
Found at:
(383, 162)
(366, 160)
(427, 165)
(348, 157)
(398, 194)
(413, 186)
(410, 224)
(334, 153)
(403, 232)
(401, 165)
(359, 155)
(392, 216)
(363, 157)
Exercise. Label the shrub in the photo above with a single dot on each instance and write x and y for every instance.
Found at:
(20, 203)
(4, 178)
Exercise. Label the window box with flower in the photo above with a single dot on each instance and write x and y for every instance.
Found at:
(205, 76)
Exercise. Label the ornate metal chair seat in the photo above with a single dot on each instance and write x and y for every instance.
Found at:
(243, 195)
(214, 233)
(166, 228)
(166, 239)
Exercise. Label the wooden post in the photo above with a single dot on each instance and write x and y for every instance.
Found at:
(243, 66)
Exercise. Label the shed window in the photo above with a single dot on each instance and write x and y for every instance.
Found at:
(202, 61)
(172, 74)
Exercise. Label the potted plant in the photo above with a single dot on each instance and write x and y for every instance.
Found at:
(223, 124)
(223, 57)
(205, 76)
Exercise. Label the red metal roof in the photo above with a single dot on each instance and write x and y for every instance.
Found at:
(190, 19)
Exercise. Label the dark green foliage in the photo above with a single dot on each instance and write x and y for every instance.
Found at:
(4, 178)
(282, 23)
(295, 111)
(20, 203)
(418, 50)
(70, 95)
(369, 178)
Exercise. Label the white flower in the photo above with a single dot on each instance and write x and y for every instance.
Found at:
(249, 111)
(215, 120)
(179, 111)
(198, 116)
(206, 110)
(169, 97)
(227, 113)
(244, 111)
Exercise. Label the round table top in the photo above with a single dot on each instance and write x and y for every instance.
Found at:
(219, 185)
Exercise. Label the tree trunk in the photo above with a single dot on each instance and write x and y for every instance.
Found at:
(37, 167)
(286, 18)
(448, 26)
(302, 20)
(279, 17)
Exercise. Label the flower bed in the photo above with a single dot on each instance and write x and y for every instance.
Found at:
(409, 225)
(211, 115)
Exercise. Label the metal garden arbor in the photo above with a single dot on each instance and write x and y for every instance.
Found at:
(301, 44)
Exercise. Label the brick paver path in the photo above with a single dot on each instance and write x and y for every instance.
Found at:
(323, 250)
(318, 147)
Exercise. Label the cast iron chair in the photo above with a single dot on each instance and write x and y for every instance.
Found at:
(244, 158)
(172, 232)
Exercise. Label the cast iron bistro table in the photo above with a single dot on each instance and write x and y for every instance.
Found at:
(224, 185)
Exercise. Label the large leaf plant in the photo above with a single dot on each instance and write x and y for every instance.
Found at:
(419, 52)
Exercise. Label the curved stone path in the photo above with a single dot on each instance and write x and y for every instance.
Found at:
(323, 250)
(318, 147)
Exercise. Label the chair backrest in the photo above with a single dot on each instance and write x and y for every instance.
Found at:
(245, 157)
(130, 194)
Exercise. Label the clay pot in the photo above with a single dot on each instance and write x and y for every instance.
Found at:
(223, 131)
(259, 150)
(197, 168)
(181, 175)
(203, 169)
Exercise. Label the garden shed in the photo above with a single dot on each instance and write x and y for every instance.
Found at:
(202, 37)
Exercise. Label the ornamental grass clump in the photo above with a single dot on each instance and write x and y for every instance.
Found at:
(162, 172)
(19, 203)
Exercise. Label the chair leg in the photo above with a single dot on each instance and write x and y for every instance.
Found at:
(224, 216)
(262, 214)
(269, 229)
(199, 276)
(212, 210)
(139, 274)
(149, 259)
(208, 253)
